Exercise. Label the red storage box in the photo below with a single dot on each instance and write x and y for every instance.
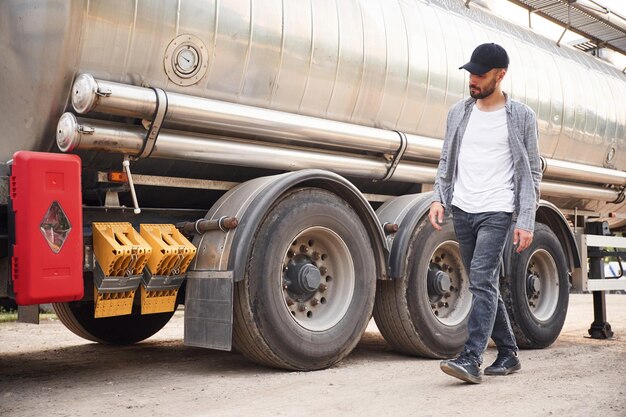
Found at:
(47, 262)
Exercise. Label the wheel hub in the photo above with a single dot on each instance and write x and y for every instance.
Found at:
(303, 278)
(447, 284)
(439, 282)
(542, 284)
(318, 278)
(533, 284)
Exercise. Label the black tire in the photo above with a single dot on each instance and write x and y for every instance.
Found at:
(537, 318)
(403, 310)
(78, 316)
(268, 330)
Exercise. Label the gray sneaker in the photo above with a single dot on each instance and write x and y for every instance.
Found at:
(504, 364)
(463, 368)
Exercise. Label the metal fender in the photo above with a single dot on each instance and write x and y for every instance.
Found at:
(551, 216)
(405, 211)
(249, 203)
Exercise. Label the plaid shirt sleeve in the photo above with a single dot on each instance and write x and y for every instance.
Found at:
(443, 161)
(529, 187)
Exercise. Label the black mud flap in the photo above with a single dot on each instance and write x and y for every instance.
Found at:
(209, 309)
(28, 314)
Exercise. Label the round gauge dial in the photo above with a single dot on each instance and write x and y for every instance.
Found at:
(186, 60)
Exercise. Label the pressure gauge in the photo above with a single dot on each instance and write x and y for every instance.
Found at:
(186, 60)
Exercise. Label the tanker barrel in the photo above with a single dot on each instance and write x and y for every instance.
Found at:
(74, 134)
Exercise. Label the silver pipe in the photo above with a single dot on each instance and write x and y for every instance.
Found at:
(555, 189)
(223, 118)
(564, 170)
(421, 147)
(74, 134)
(228, 119)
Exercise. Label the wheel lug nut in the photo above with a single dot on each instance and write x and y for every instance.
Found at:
(323, 270)
(315, 256)
(444, 267)
(323, 287)
(315, 302)
(303, 307)
(289, 302)
(291, 254)
(304, 249)
(440, 304)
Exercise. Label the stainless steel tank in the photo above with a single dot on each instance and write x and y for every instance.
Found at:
(377, 63)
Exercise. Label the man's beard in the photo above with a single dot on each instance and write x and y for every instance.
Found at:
(486, 92)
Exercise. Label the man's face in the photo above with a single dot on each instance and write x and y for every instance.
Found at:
(482, 86)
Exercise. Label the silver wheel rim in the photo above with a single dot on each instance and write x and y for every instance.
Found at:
(453, 306)
(324, 307)
(542, 285)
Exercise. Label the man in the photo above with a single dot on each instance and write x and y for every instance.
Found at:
(488, 177)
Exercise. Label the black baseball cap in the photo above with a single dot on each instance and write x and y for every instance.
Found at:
(485, 58)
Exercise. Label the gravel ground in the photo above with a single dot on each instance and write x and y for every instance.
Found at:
(47, 370)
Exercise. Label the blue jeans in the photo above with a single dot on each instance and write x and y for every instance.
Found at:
(482, 237)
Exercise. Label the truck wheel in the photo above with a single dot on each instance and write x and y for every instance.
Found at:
(78, 317)
(308, 292)
(536, 290)
(425, 313)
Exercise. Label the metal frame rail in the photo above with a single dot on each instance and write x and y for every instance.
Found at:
(590, 19)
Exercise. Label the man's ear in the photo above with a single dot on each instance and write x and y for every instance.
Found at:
(501, 74)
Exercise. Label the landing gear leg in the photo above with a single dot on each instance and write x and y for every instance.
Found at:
(600, 328)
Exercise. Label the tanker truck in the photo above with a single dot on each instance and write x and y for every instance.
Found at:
(269, 164)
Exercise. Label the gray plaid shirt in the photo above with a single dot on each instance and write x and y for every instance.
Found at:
(522, 126)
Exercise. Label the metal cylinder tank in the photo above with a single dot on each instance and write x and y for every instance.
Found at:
(377, 63)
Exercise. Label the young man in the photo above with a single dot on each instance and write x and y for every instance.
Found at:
(489, 174)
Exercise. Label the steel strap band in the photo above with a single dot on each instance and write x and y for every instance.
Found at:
(397, 157)
(155, 125)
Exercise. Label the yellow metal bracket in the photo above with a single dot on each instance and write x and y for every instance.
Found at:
(121, 255)
(172, 251)
(171, 255)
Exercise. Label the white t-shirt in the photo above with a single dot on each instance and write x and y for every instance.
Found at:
(484, 175)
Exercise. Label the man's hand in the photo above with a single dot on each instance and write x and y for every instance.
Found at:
(521, 238)
(436, 214)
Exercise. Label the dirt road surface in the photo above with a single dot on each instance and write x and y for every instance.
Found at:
(47, 371)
